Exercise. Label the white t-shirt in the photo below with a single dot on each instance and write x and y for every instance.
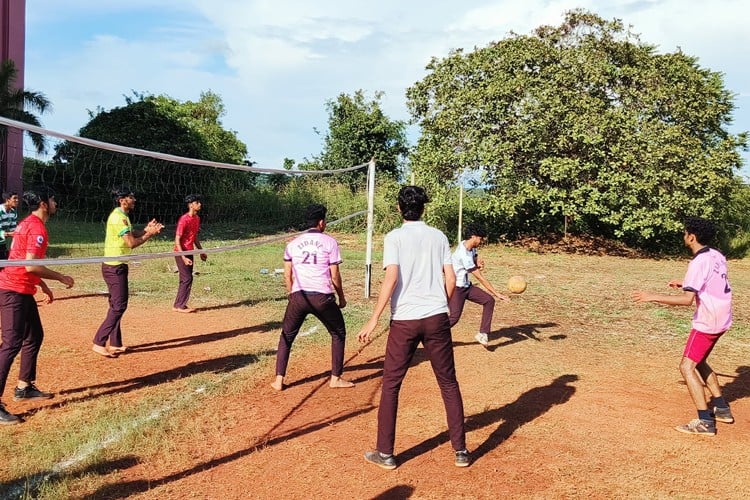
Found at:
(464, 261)
(420, 252)
(311, 255)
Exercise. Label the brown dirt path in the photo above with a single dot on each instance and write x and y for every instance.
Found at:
(553, 410)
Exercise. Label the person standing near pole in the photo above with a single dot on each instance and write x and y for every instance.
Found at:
(311, 276)
(419, 280)
(22, 327)
(120, 238)
(186, 238)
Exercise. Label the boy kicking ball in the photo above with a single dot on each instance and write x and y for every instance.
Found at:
(707, 285)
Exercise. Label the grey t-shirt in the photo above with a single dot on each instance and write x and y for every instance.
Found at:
(420, 252)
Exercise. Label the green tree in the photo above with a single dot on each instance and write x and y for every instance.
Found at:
(358, 130)
(582, 126)
(20, 104)
(161, 124)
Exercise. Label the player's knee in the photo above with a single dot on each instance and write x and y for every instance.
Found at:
(687, 366)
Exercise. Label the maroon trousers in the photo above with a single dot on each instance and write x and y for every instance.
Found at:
(476, 295)
(186, 283)
(22, 331)
(323, 306)
(116, 278)
(403, 338)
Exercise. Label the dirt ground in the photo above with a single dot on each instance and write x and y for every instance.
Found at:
(553, 410)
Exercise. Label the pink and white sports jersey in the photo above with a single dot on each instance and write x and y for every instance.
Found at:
(311, 254)
(707, 277)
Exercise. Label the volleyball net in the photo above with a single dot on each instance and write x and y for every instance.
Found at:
(243, 205)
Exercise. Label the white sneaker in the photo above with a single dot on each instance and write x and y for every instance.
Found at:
(482, 338)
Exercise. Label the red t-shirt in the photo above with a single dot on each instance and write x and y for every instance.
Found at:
(30, 237)
(187, 230)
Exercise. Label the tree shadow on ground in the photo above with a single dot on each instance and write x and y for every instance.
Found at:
(529, 406)
(739, 387)
(217, 366)
(202, 338)
(241, 303)
(28, 487)
(127, 489)
(80, 296)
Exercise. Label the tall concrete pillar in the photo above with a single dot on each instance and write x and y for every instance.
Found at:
(13, 46)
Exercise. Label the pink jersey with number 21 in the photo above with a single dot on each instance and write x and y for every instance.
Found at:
(311, 255)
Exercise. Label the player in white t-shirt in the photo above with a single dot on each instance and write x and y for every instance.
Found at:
(311, 275)
(466, 262)
(705, 283)
(418, 281)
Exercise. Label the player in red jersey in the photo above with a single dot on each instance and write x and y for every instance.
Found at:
(186, 238)
(22, 328)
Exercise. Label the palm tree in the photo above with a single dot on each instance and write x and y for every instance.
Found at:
(20, 104)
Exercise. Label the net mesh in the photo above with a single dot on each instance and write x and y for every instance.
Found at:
(242, 204)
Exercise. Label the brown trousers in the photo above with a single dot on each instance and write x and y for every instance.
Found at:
(434, 333)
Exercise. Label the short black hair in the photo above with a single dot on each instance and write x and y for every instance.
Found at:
(120, 192)
(411, 202)
(33, 198)
(315, 213)
(475, 229)
(7, 195)
(193, 197)
(703, 229)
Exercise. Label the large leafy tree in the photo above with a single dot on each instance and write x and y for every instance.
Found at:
(20, 104)
(580, 126)
(155, 123)
(358, 130)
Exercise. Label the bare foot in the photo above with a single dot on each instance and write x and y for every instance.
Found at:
(183, 310)
(340, 383)
(278, 384)
(117, 350)
(102, 351)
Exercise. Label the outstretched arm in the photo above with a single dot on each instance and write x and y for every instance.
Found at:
(684, 299)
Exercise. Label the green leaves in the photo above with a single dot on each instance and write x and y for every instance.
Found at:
(580, 123)
(21, 105)
(358, 130)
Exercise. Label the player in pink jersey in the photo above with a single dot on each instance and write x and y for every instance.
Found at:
(311, 275)
(707, 284)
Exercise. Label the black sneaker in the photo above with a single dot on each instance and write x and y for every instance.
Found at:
(723, 415)
(385, 461)
(30, 392)
(463, 458)
(7, 418)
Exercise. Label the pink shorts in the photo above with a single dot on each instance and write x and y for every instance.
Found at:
(699, 345)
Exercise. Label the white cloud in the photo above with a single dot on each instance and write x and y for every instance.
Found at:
(275, 63)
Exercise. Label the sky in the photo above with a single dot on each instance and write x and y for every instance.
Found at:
(276, 63)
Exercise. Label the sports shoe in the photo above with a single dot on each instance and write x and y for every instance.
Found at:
(7, 418)
(698, 426)
(30, 392)
(384, 461)
(463, 458)
(482, 338)
(723, 415)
